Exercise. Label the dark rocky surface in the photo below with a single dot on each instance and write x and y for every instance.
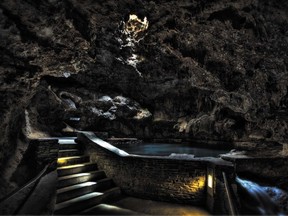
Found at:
(214, 70)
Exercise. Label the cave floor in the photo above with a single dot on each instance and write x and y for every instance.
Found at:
(150, 207)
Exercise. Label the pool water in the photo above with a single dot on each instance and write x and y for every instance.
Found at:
(165, 149)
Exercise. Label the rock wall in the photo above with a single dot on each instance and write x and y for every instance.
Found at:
(208, 69)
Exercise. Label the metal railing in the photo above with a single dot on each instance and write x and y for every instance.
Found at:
(232, 208)
(9, 198)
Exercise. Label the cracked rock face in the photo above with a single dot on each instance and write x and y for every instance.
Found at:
(106, 109)
(209, 69)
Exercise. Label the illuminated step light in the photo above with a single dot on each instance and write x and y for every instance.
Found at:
(210, 181)
(69, 157)
(94, 194)
(89, 183)
(74, 119)
(72, 166)
(81, 174)
(64, 160)
(61, 161)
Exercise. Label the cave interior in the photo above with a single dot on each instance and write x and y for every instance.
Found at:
(169, 106)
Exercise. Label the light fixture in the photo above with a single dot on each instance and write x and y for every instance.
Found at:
(211, 185)
(210, 181)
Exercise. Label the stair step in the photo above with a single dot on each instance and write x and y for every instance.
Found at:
(68, 146)
(68, 152)
(73, 179)
(77, 168)
(105, 209)
(67, 140)
(65, 161)
(81, 203)
(73, 191)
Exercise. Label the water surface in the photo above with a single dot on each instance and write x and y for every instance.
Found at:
(165, 149)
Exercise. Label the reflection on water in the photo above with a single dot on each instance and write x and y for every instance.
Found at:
(256, 200)
(165, 149)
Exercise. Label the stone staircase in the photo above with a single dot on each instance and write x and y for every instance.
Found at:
(82, 188)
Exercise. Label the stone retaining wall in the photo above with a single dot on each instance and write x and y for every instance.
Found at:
(45, 151)
(157, 178)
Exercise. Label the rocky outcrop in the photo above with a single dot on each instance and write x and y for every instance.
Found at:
(205, 69)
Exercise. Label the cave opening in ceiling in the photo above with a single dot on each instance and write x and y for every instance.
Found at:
(132, 32)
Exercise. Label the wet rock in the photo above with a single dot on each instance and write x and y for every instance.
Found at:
(69, 104)
(202, 124)
(66, 95)
(225, 127)
(108, 115)
(121, 101)
(125, 107)
(142, 114)
(104, 103)
(234, 101)
(105, 110)
(46, 112)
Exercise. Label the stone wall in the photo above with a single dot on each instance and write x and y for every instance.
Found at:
(46, 151)
(156, 178)
(123, 141)
(263, 167)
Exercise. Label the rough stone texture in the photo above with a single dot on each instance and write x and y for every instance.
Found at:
(210, 69)
(180, 181)
(46, 152)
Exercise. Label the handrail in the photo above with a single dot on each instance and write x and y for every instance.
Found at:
(12, 194)
(91, 136)
(230, 202)
(121, 153)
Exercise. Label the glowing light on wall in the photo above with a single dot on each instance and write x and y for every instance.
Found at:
(197, 184)
(210, 181)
